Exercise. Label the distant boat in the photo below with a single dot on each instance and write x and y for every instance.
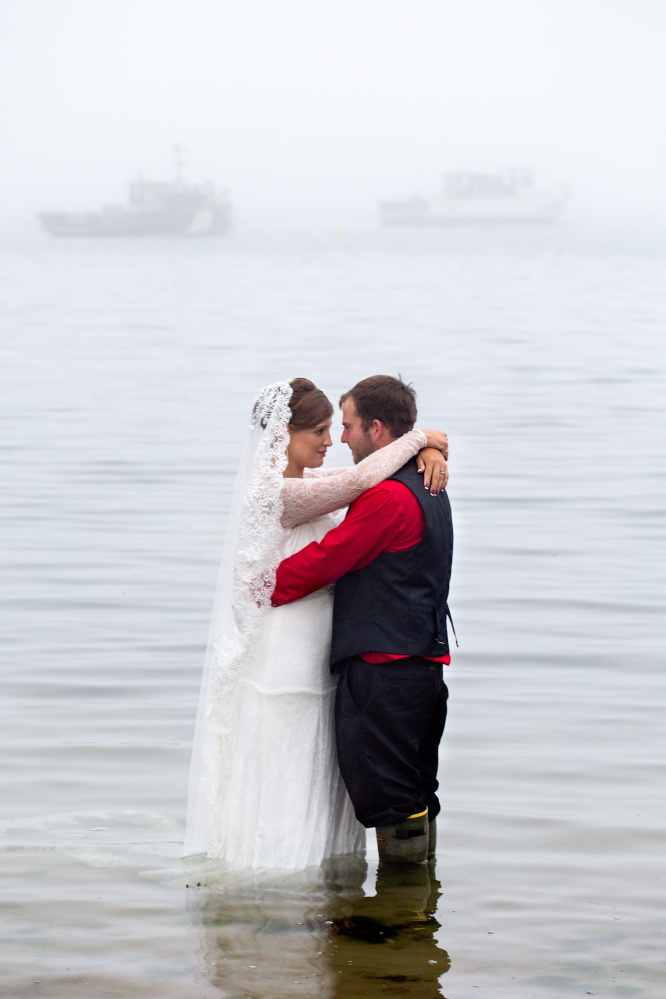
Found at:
(154, 209)
(468, 198)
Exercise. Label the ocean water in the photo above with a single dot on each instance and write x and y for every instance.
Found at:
(128, 369)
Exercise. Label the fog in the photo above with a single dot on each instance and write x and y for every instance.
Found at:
(310, 110)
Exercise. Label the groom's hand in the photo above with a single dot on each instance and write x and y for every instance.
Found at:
(438, 439)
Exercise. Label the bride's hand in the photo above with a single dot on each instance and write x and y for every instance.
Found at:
(438, 439)
(435, 470)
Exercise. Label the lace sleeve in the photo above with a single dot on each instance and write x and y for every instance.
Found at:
(308, 498)
(318, 473)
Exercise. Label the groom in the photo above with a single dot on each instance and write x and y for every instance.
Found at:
(391, 562)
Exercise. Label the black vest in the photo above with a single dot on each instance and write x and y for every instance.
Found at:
(397, 604)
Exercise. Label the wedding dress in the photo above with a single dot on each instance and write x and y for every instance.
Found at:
(265, 789)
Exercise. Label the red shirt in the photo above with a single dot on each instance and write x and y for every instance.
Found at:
(386, 518)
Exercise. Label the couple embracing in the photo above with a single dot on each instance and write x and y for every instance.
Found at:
(321, 712)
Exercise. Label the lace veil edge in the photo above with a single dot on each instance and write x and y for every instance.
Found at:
(251, 555)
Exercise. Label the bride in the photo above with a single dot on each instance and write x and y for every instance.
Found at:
(265, 789)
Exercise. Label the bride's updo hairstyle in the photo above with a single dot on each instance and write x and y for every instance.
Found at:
(308, 404)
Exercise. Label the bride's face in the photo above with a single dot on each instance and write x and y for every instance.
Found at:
(307, 448)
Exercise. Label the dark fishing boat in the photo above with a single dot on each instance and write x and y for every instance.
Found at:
(154, 209)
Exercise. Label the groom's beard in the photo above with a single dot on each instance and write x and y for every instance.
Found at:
(362, 447)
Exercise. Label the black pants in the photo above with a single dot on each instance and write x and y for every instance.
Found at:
(389, 721)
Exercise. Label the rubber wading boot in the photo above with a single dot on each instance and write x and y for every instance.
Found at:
(404, 843)
(432, 839)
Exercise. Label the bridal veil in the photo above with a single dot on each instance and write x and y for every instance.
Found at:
(250, 559)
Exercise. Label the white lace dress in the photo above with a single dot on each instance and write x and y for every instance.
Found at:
(275, 797)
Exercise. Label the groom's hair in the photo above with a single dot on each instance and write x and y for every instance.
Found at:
(384, 398)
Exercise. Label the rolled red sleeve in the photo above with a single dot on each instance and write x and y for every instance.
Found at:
(385, 518)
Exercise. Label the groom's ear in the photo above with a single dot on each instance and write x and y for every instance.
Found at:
(376, 430)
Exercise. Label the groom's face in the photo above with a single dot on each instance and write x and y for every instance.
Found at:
(359, 440)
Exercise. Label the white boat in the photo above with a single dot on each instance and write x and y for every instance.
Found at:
(468, 198)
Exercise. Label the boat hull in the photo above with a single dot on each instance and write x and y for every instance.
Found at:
(203, 222)
(486, 211)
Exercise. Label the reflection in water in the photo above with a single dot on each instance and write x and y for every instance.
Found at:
(264, 942)
(290, 936)
(385, 944)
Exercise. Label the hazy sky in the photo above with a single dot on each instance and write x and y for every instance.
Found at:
(317, 108)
